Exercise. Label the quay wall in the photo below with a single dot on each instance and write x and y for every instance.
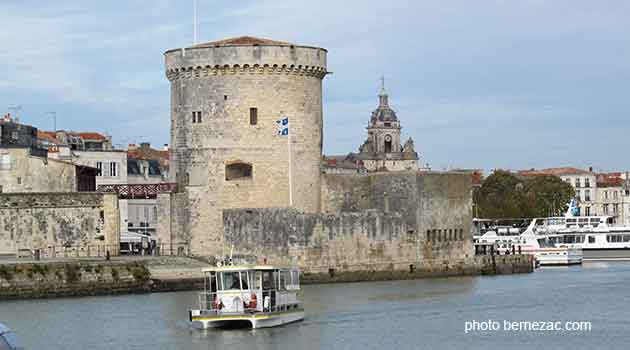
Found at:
(86, 278)
(64, 279)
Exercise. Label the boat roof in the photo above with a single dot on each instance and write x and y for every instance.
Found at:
(246, 268)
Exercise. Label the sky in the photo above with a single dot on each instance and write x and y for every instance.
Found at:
(476, 84)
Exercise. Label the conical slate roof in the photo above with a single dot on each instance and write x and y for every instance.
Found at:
(243, 41)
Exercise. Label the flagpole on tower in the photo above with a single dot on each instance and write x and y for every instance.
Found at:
(290, 172)
(194, 22)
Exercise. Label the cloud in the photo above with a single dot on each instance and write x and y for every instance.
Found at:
(477, 84)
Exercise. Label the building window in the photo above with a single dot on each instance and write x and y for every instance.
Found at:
(587, 195)
(587, 211)
(605, 194)
(253, 116)
(605, 209)
(614, 194)
(99, 166)
(196, 117)
(238, 171)
(578, 195)
(5, 162)
(19, 180)
(113, 167)
(615, 209)
(577, 183)
(587, 182)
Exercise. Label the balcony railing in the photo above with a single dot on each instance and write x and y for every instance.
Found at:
(138, 191)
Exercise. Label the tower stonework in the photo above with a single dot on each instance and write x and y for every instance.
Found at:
(226, 100)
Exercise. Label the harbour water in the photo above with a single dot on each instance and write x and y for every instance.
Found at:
(417, 314)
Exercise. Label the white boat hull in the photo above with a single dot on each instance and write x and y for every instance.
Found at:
(257, 320)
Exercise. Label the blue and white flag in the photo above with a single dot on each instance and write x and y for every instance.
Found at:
(283, 126)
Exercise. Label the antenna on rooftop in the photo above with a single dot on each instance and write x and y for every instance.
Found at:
(16, 110)
(54, 116)
(194, 22)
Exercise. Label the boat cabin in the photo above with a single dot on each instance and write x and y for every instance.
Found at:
(250, 289)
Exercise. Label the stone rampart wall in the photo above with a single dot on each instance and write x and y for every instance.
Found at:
(31, 221)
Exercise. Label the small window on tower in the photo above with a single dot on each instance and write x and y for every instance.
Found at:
(253, 116)
(196, 117)
(388, 124)
(241, 171)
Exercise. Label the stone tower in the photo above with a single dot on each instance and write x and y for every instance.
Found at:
(228, 100)
(382, 150)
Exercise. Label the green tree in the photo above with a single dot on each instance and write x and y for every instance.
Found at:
(547, 195)
(504, 195)
(499, 196)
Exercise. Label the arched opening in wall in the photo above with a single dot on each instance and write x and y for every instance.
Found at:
(388, 144)
(238, 171)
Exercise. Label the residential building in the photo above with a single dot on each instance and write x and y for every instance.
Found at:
(25, 167)
(145, 166)
(584, 183)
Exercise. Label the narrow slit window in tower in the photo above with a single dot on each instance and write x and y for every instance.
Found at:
(253, 116)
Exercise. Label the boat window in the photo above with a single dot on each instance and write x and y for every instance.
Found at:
(283, 280)
(267, 280)
(295, 277)
(232, 281)
(244, 279)
(591, 239)
(213, 282)
(257, 280)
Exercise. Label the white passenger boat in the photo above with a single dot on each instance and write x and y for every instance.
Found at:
(597, 236)
(517, 237)
(248, 296)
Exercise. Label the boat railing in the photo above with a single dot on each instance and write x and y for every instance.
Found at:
(208, 301)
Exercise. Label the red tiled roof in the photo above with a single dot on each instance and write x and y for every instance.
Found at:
(243, 41)
(609, 180)
(553, 171)
(47, 135)
(89, 136)
(148, 154)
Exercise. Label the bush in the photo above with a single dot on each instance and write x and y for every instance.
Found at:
(40, 269)
(6, 273)
(115, 274)
(140, 273)
(72, 273)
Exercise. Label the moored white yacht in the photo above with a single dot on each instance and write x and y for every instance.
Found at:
(598, 236)
(519, 237)
(251, 296)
